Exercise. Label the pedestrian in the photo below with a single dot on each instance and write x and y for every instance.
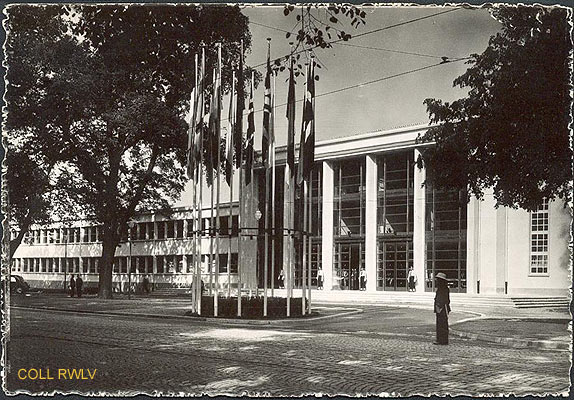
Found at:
(411, 279)
(145, 285)
(441, 308)
(72, 286)
(281, 279)
(320, 278)
(363, 279)
(79, 284)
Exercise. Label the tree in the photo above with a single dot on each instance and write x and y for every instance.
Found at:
(511, 131)
(33, 196)
(106, 96)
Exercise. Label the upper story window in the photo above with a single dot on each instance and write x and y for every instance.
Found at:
(539, 239)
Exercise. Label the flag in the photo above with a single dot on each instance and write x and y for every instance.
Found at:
(191, 131)
(229, 135)
(199, 113)
(307, 143)
(194, 120)
(214, 121)
(238, 132)
(267, 137)
(250, 136)
(291, 122)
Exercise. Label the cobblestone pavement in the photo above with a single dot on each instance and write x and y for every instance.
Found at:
(184, 357)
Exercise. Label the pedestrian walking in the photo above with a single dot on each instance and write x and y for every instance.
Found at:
(411, 279)
(79, 284)
(441, 308)
(72, 286)
(145, 284)
(320, 278)
(363, 279)
(281, 279)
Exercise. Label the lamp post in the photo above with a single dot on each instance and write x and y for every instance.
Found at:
(258, 216)
(131, 224)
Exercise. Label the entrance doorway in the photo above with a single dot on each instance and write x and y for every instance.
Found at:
(349, 259)
(395, 257)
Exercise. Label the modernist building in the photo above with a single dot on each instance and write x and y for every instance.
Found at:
(369, 209)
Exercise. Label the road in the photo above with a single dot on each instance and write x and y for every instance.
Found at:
(343, 355)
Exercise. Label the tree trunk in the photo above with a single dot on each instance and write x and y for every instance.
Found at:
(109, 246)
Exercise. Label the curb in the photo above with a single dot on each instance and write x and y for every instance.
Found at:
(191, 318)
(512, 342)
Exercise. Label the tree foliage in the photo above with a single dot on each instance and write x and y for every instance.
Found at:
(318, 26)
(511, 131)
(103, 91)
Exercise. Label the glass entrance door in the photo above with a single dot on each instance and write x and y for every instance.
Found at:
(349, 259)
(395, 257)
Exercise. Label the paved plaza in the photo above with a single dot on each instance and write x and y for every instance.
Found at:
(352, 350)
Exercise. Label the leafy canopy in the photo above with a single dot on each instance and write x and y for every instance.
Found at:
(511, 131)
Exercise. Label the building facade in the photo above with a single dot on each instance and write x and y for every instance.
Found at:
(369, 209)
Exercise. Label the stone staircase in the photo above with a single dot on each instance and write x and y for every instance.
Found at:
(541, 302)
(458, 300)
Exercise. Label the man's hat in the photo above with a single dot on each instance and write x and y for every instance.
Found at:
(441, 275)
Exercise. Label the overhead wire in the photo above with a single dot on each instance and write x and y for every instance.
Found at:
(358, 85)
(354, 36)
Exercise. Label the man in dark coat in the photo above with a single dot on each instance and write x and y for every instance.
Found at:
(72, 286)
(441, 308)
(79, 284)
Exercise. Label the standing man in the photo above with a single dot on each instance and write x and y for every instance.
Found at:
(320, 277)
(79, 284)
(441, 309)
(363, 279)
(411, 279)
(72, 286)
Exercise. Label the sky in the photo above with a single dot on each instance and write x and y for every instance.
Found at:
(383, 105)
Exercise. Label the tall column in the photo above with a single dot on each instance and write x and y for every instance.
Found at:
(501, 252)
(472, 244)
(327, 225)
(419, 256)
(371, 223)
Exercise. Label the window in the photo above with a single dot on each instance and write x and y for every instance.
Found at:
(349, 207)
(539, 240)
(141, 231)
(170, 229)
(179, 228)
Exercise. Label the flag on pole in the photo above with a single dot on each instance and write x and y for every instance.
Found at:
(250, 136)
(194, 120)
(267, 137)
(238, 132)
(307, 144)
(199, 113)
(230, 133)
(214, 121)
(291, 122)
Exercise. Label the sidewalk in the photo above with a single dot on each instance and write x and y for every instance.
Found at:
(533, 328)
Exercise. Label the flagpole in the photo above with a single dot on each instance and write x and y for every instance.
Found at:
(303, 242)
(289, 180)
(218, 175)
(309, 229)
(239, 155)
(252, 201)
(272, 156)
(310, 200)
(190, 158)
(231, 167)
(200, 180)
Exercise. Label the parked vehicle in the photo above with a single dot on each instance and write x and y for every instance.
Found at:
(18, 284)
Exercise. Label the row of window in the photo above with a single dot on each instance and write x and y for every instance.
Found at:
(174, 229)
(140, 264)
